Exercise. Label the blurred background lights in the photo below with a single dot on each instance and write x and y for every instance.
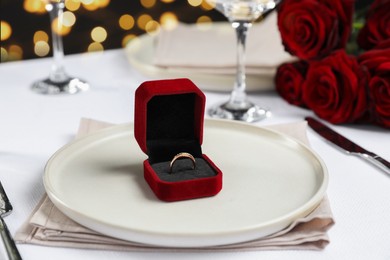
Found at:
(68, 19)
(6, 30)
(204, 19)
(72, 5)
(126, 22)
(103, 3)
(99, 34)
(87, 2)
(142, 20)
(148, 3)
(207, 6)
(91, 6)
(41, 48)
(34, 6)
(4, 54)
(40, 36)
(152, 27)
(95, 46)
(127, 39)
(15, 52)
(86, 24)
(195, 2)
(58, 27)
(169, 20)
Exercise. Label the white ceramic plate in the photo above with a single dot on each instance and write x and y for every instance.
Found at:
(140, 52)
(269, 180)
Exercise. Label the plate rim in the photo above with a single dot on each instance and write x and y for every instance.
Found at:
(225, 236)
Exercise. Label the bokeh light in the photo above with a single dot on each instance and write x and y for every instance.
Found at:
(148, 3)
(195, 2)
(15, 52)
(95, 46)
(68, 19)
(127, 39)
(152, 27)
(204, 19)
(207, 6)
(72, 5)
(6, 30)
(126, 22)
(91, 6)
(86, 24)
(4, 54)
(40, 36)
(142, 20)
(104, 3)
(58, 27)
(41, 48)
(34, 6)
(169, 20)
(99, 34)
(87, 2)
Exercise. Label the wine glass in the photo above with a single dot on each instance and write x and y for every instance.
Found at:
(241, 14)
(58, 81)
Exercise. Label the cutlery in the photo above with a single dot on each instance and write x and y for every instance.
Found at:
(347, 145)
(9, 243)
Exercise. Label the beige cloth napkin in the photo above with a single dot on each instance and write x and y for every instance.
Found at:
(212, 48)
(50, 227)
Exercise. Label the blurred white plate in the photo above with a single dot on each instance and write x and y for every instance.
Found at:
(269, 181)
(140, 52)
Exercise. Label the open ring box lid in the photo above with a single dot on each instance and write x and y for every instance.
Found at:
(168, 120)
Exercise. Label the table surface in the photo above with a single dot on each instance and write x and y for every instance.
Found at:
(34, 126)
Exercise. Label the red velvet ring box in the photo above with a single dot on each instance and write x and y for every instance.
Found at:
(168, 120)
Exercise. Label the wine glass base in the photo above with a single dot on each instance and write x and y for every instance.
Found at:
(251, 113)
(68, 86)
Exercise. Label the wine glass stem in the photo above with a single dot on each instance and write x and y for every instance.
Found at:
(238, 96)
(55, 10)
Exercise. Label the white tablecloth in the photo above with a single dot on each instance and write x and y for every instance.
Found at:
(34, 126)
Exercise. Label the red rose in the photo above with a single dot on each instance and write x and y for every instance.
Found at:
(377, 63)
(335, 89)
(385, 44)
(377, 26)
(380, 93)
(312, 29)
(374, 58)
(289, 80)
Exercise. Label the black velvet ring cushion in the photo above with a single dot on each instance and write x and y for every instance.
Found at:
(171, 130)
(182, 170)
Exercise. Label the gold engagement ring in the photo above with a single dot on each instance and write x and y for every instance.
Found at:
(182, 155)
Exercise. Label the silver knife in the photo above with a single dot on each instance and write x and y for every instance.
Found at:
(9, 243)
(347, 145)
